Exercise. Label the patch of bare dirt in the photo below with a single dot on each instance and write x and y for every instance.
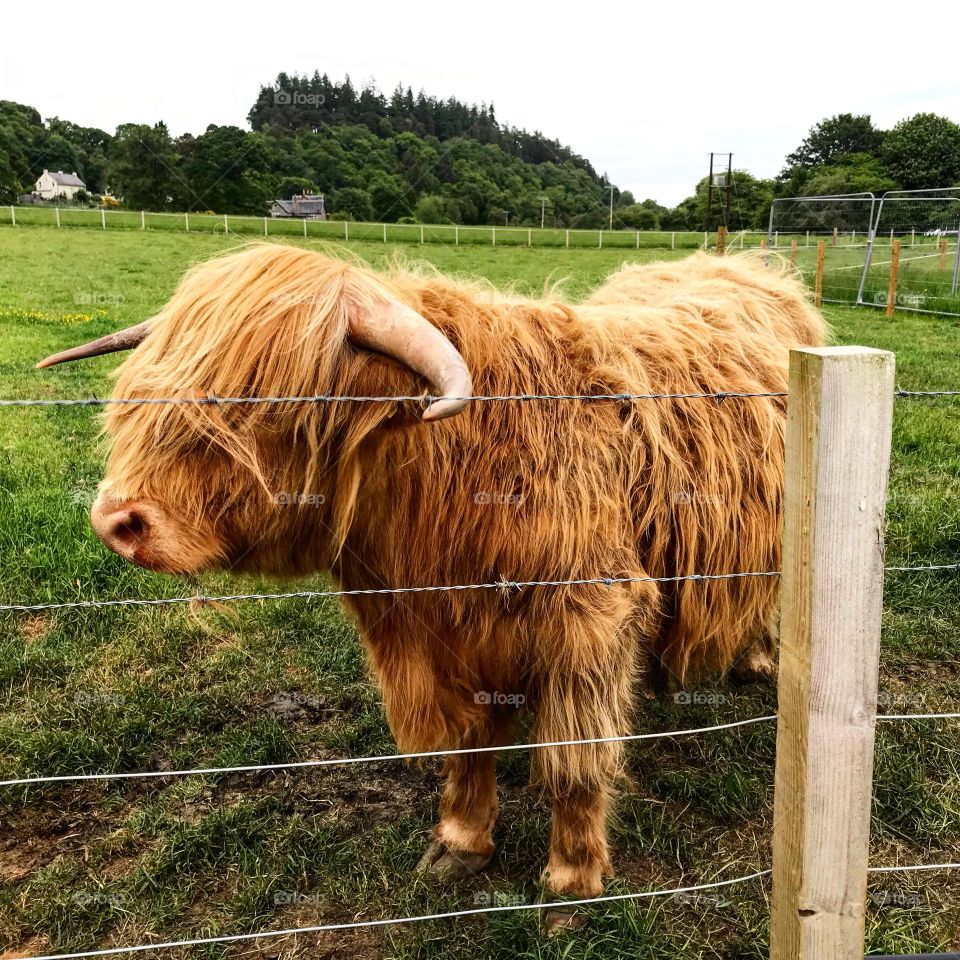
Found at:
(35, 628)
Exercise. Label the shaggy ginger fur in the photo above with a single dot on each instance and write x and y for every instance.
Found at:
(505, 491)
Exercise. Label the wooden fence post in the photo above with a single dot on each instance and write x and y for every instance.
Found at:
(13, 215)
(673, 240)
(834, 236)
(566, 241)
(839, 417)
(837, 463)
(894, 270)
(721, 240)
(57, 208)
(818, 290)
(103, 218)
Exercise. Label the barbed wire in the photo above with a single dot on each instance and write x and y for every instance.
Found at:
(420, 398)
(455, 914)
(350, 761)
(926, 393)
(502, 585)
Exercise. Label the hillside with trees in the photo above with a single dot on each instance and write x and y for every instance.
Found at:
(415, 157)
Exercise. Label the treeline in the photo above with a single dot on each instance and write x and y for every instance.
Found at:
(416, 157)
(403, 158)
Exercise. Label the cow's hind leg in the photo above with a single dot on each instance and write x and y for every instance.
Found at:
(462, 843)
(584, 693)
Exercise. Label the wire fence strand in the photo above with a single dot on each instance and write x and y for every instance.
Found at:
(421, 398)
(422, 755)
(393, 921)
(345, 761)
(502, 585)
(454, 914)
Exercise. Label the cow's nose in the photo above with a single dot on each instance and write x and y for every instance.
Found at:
(123, 528)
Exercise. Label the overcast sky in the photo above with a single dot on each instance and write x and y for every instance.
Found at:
(645, 92)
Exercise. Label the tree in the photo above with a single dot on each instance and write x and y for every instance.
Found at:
(353, 202)
(637, 216)
(855, 173)
(144, 165)
(835, 137)
(924, 152)
(229, 172)
(431, 208)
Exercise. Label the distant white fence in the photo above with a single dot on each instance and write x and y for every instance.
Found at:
(419, 233)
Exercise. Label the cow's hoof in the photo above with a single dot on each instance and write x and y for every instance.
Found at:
(449, 864)
(559, 918)
(756, 667)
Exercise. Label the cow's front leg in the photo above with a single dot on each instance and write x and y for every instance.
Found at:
(463, 839)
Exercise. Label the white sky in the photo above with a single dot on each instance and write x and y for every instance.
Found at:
(645, 92)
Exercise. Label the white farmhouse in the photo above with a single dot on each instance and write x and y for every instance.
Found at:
(51, 185)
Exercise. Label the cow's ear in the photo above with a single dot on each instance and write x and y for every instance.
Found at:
(394, 329)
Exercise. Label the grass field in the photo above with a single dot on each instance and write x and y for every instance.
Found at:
(104, 865)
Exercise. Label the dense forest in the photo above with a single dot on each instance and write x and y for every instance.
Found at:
(413, 157)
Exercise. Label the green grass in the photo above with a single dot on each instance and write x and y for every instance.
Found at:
(100, 865)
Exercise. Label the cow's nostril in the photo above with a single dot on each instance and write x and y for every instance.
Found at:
(130, 530)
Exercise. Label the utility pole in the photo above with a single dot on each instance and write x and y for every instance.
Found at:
(506, 218)
(543, 211)
(612, 188)
(706, 213)
(729, 187)
(727, 192)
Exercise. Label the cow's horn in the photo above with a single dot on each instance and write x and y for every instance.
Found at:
(111, 343)
(403, 334)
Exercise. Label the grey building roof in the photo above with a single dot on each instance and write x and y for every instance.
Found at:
(300, 205)
(65, 179)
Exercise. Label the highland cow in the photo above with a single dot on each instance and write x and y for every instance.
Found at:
(458, 491)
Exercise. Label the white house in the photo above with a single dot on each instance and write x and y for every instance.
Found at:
(51, 185)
